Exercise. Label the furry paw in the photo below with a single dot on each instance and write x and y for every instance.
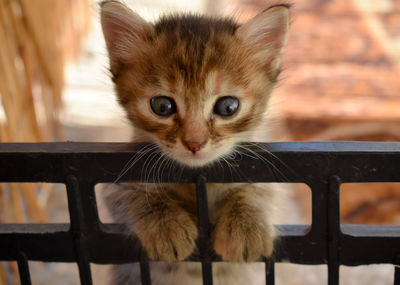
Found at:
(170, 238)
(243, 240)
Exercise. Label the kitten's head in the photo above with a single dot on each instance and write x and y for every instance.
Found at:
(193, 85)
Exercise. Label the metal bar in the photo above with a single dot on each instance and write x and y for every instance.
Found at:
(204, 230)
(52, 243)
(78, 230)
(396, 275)
(23, 268)
(352, 162)
(310, 163)
(317, 237)
(145, 273)
(333, 221)
(397, 271)
(270, 272)
(84, 148)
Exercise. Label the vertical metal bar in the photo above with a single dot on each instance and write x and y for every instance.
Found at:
(396, 275)
(145, 273)
(204, 229)
(333, 221)
(23, 268)
(270, 272)
(317, 234)
(78, 229)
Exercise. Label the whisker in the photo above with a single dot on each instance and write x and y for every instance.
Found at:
(160, 169)
(229, 166)
(230, 157)
(273, 155)
(260, 157)
(151, 151)
(145, 174)
(156, 179)
(148, 163)
(133, 160)
(221, 166)
(157, 166)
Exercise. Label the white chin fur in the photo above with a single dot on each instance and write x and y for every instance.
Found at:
(200, 159)
(194, 162)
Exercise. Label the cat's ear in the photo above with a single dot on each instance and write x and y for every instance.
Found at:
(123, 30)
(265, 36)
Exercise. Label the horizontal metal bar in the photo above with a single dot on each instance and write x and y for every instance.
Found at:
(112, 148)
(293, 162)
(367, 246)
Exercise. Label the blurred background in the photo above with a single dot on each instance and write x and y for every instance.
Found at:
(340, 81)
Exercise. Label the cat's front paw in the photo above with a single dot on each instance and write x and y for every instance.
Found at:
(243, 240)
(170, 238)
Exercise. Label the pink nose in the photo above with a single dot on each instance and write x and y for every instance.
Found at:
(193, 146)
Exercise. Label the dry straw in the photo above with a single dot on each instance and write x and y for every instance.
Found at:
(36, 39)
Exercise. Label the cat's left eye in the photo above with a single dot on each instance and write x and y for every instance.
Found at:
(226, 106)
(163, 106)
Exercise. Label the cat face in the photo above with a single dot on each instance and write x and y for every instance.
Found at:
(193, 85)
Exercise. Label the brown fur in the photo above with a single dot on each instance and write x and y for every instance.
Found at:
(195, 60)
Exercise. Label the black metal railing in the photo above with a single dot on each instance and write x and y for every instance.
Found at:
(322, 166)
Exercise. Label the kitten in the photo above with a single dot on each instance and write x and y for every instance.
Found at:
(196, 87)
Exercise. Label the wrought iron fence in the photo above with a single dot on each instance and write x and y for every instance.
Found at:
(322, 166)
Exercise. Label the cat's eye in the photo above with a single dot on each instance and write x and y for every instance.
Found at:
(163, 106)
(226, 106)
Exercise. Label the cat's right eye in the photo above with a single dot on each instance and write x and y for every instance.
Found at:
(163, 106)
(226, 106)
